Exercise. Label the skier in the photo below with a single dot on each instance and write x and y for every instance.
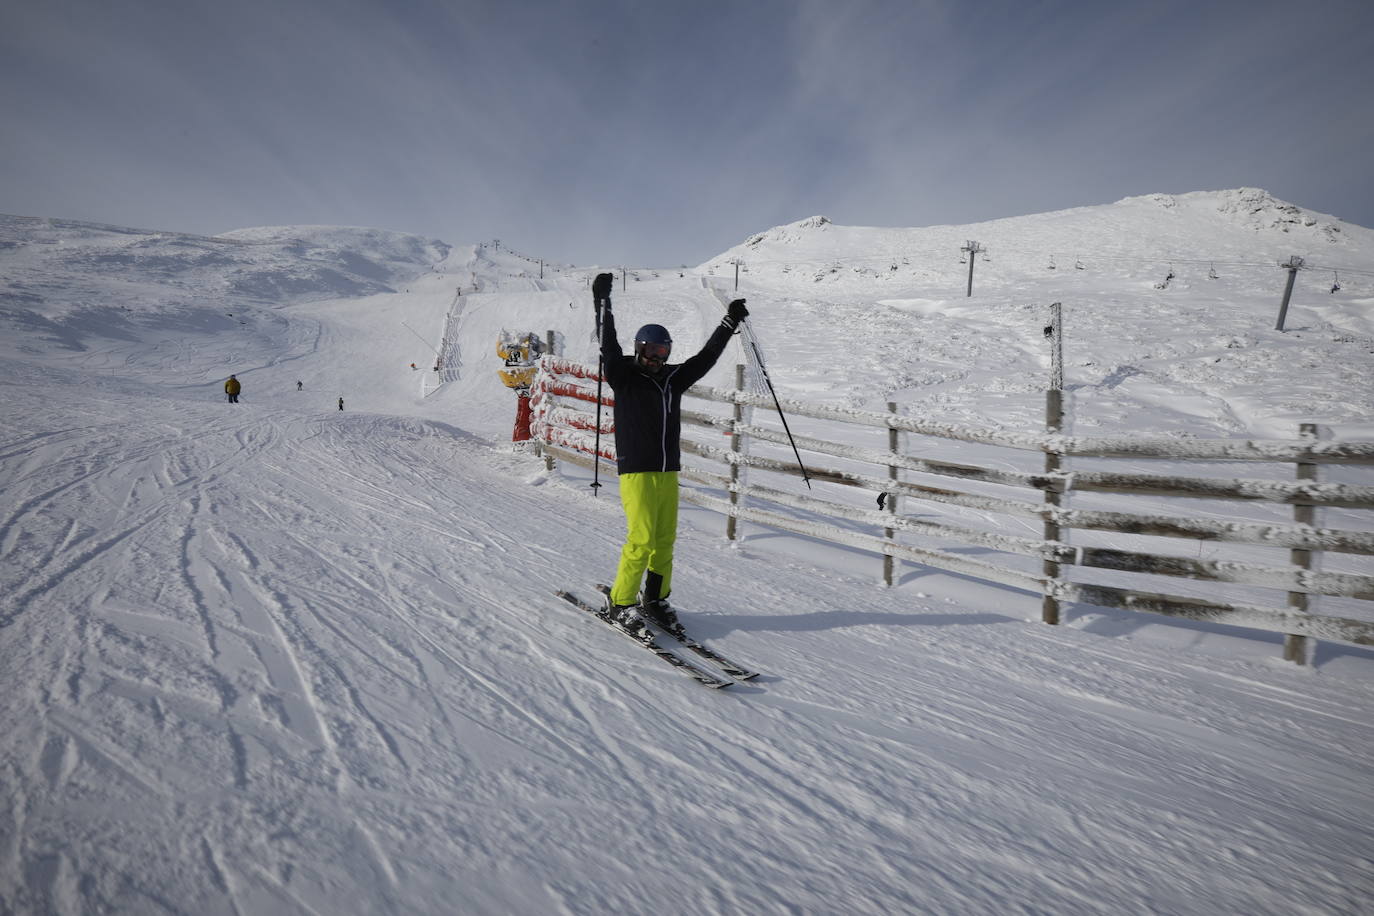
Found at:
(341, 402)
(648, 430)
(299, 384)
(232, 389)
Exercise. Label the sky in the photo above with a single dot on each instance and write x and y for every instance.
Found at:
(618, 132)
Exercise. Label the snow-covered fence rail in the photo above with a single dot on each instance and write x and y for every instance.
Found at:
(1285, 450)
(562, 411)
(961, 490)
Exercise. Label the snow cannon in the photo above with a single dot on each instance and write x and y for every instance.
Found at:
(520, 352)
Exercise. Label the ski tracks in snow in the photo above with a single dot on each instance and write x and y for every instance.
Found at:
(317, 662)
(189, 640)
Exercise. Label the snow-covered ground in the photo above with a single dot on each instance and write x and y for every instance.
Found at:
(275, 657)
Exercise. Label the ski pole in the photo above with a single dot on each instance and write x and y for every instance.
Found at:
(763, 370)
(596, 455)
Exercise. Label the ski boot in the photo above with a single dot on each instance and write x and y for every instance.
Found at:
(653, 604)
(658, 611)
(626, 616)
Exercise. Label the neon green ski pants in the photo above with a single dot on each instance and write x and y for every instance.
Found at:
(650, 501)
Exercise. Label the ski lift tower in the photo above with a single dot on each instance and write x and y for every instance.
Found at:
(973, 249)
(1293, 265)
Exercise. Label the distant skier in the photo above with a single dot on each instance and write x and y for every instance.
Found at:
(299, 384)
(232, 389)
(648, 432)
(341, 402)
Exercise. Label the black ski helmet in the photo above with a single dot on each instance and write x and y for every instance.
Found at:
(656, 340)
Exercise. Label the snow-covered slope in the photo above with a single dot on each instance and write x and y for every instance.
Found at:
(1131, 238)
(870, 315)
(277, 658)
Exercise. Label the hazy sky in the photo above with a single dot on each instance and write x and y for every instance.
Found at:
(661, 132)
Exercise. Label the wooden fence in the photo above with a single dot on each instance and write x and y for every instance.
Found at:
(564, 397)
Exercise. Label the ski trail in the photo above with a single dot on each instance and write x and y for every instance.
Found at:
(323, 671)
(259, 644)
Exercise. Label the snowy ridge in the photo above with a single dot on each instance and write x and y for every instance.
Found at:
(276, 657)
(1245, 230)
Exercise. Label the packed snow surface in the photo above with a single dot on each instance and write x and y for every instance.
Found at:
(278, 657)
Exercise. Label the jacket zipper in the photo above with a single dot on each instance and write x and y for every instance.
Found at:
(667, 409)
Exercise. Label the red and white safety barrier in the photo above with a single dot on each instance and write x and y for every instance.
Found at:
(563, 408)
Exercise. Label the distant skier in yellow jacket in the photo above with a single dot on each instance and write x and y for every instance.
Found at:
(232, 388)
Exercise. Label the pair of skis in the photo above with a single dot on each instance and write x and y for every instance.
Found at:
(728, 672)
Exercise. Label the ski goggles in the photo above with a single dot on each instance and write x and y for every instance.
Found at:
(656, 352)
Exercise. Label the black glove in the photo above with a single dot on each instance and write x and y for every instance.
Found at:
(735, 312)
(601, 286)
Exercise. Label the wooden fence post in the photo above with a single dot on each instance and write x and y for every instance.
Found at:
(891, 500)
(1295, 648)
(550, 338)
(735, 421)
(1054, 424)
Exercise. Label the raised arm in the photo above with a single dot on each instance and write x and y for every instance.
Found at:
(695, 368)
(611, 354)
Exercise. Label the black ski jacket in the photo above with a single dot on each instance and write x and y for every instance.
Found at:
(648, 424)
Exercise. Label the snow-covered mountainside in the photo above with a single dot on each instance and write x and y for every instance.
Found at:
(283, 657)
(47, 260)
(1169, 299)
(1243, 226)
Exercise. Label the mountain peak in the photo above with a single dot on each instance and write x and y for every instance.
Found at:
(1254, 208)
(791, 232)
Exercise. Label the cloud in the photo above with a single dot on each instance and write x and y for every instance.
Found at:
(633, 133)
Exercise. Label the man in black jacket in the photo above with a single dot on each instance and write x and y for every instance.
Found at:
(648, 430)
